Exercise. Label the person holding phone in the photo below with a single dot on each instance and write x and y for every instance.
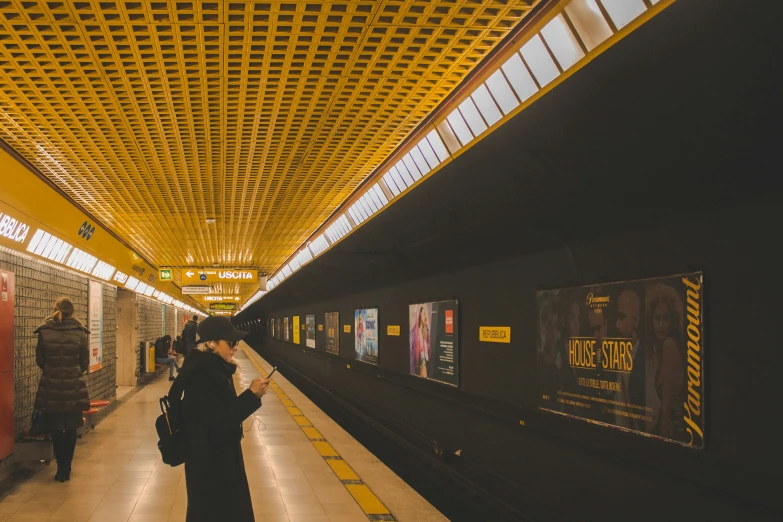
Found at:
(215, 475)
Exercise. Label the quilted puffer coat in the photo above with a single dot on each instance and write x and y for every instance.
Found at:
(63, 355)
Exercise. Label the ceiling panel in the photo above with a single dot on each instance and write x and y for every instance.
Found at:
(264, 115)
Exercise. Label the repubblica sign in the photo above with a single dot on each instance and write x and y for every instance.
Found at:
(628, 355)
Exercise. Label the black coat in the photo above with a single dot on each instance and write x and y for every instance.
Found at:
(63, 355)
(189, 336)
(214, 467)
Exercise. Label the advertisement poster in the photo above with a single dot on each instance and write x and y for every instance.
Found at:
(95, 309)
(627, 354)
(279, 329)
(286, 330)
(366, 335)
(296, 330)
(434, 341)
(333, 332)
(310, 331)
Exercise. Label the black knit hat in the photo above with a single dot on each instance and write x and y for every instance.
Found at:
(218, 329)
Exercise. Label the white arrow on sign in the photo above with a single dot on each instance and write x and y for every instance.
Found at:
(189, 273)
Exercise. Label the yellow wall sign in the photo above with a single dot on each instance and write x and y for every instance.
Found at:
(393, 330)
(347, 328)
(495, 334)
(13, 230)
(296, 330)
(320, 328)
(217, 275)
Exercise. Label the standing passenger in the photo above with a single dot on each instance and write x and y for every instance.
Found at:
(63, 356)
(189, 335)
(214, 467)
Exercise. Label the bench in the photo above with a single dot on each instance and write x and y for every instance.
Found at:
(92, 413)
(39, 447)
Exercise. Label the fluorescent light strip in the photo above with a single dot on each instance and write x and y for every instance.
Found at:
(103, 271)
(132, 283)
(82, 261)
(46, 245)
(546, 54)
(31, 246)
(319, 245)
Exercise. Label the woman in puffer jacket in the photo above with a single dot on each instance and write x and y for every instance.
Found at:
(63, 356)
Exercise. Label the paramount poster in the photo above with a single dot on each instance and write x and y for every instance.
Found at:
(628, 355)
(366, 335)
(434, 341)
(333, 332)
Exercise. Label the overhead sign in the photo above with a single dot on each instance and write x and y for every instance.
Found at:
(216, 275)
(195, 290)
(165, 274)
(222, 306)
(220, 298)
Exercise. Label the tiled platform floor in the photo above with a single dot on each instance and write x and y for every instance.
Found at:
(118, 476)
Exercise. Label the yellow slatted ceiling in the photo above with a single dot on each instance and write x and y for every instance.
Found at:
(263, 114)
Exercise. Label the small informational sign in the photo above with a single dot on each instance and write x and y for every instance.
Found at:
(95, 311)
(495, 334)
(393, 330)
(320, 328)
(222, 306)
(165, 274)
(195, 290)
(347, 328)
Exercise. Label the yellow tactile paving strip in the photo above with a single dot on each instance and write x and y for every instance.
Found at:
(367, 500)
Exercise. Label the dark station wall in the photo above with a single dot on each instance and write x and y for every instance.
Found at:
(659, 157)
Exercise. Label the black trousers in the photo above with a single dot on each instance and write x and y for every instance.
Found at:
(64, 442)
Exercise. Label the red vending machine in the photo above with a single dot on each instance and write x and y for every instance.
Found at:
(6, 364)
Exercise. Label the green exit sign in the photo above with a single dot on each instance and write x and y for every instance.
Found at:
(165, 274)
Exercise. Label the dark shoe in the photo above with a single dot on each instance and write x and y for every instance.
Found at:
(60, 475)
(67, 475)
(172, 378)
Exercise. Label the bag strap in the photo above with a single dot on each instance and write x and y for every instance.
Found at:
(164, 404)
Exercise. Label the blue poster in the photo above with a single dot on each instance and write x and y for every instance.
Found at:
(366, 335)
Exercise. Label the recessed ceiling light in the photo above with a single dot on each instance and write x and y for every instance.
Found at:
(210, 221)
